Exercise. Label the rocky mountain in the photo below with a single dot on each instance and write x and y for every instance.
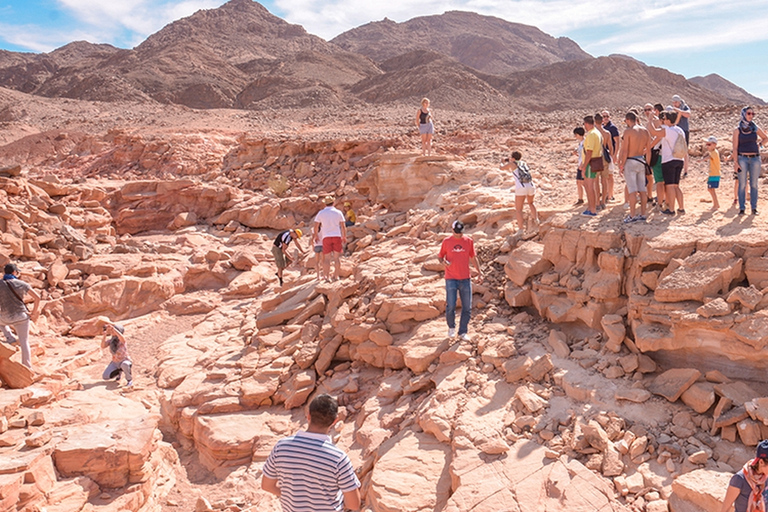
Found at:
(212, 59)
(733, 92)
(604, 81)
(242, 56)
(485, 43)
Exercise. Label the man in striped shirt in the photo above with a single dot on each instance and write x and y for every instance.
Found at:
(307, 471)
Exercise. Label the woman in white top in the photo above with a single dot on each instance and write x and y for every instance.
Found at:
(524, 188)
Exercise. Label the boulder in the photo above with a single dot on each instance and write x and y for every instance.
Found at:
(700, 275)
(699, 397)
(701, 489)
(714, 308)
(747, 297)
(525, 261)
(672, 383)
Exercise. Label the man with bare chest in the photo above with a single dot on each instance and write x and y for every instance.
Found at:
(634, 155)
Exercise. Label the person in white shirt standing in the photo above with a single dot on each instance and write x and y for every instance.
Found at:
(330, 228)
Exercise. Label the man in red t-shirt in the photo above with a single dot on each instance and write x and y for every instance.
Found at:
(456, 252)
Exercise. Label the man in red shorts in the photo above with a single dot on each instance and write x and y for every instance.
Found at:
(330, 228)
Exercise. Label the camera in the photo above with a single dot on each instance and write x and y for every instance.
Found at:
(506, 160)
(104, 327)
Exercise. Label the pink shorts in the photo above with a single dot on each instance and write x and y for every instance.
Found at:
(331, 244)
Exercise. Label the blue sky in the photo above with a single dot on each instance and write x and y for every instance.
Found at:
(690, 37)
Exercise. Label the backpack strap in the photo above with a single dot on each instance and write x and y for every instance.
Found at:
(15, 293)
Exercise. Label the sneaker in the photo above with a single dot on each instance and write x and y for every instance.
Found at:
(600, 207)
(580, 201)
(629, 219)
(464, 337)
(129, 384)
(641, 218)
(667, 212)
(589, 213)
(680, 210)
(451, 332)
(741, 212)
(754, 211)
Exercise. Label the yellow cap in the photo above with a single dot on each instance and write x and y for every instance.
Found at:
(347, 203)
(298, 233)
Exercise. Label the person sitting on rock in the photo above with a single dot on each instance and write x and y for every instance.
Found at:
(121, 361)
(745, 489)
(280, 250)
(14, 313)
(349, 215)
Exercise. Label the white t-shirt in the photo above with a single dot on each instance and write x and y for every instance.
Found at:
(671, 133)
(329, 219)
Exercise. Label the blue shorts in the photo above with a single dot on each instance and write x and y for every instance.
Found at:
(713, 182)
(427, 128)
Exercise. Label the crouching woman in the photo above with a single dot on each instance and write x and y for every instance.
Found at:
(121, 362)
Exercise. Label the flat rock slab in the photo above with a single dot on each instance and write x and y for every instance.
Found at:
(673, 383)
(739, 392)
(701, 489)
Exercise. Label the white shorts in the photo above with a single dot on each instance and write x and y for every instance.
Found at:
(634, 174)
(525, 190)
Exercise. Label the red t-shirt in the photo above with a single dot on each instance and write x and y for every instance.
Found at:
(458, 252)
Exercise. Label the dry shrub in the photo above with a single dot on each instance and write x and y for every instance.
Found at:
(278, 183)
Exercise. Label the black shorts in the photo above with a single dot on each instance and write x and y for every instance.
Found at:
(671, 171)
(579, 175)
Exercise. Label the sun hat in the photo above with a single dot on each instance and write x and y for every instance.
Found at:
(328, 200)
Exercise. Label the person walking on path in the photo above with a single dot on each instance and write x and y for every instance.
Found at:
(713, 180)
(307, 471)
(746, 163)
(331, 229)
(671, 163)
(121, 361)
(14, 313)
(524, 189)
(592, 164)
(426, 126)
(456, 253)
(280, 250)
(746, 487)
(633, 159)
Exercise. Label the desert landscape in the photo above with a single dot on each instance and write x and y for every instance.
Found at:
(611, 366)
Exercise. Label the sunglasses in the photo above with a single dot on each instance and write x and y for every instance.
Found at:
(647, 109)
(749, 113)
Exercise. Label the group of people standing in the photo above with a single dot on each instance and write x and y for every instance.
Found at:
(654, 150)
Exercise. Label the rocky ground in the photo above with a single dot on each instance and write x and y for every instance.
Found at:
(611, 367)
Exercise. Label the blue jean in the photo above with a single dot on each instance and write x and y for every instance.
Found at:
(462, 288)
(750, 169)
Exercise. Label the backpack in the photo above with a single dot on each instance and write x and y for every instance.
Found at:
(680, 149)
(523, 173)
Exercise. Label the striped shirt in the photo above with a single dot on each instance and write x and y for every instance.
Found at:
(311, 472)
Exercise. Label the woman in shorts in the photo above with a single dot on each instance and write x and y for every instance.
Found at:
(523, 190)
(426, 127)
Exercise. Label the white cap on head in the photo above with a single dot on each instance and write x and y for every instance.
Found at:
(712, 139)
(676, 98)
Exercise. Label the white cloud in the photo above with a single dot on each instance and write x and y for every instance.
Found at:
(43, 39)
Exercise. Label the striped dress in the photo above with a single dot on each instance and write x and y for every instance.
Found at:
(311, 472)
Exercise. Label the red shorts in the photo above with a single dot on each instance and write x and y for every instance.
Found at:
(331, 244)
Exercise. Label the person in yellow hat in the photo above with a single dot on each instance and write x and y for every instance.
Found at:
(349, 215)
(280, 250)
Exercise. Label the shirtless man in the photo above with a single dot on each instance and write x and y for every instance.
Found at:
(635, 152)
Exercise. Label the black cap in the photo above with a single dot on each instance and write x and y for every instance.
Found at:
(457, 226)
(762, 451)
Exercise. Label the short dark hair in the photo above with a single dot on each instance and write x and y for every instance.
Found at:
(11, 268)
(323, 410)
(579, 130)
(659, 107)
(671, 117)
(589, 120)
(516, 155)
(631, 116)
(598, 117)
